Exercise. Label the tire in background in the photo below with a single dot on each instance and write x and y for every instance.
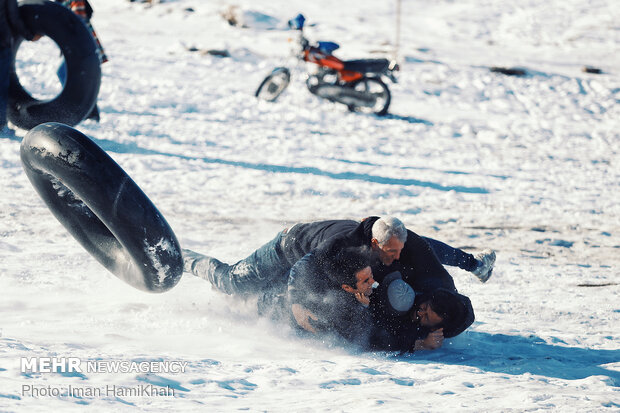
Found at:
(73, 38)
(102, 207)
(274, 84)
(364, 84)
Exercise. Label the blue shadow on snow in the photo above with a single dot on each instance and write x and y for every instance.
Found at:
(111, 146)
(516, 355)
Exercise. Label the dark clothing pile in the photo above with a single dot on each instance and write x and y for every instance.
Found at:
(308, 282)
(304, 238)
(398, 331)
(293, 269)
(418, 264)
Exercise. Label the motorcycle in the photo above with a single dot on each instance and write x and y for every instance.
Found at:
(358, 84)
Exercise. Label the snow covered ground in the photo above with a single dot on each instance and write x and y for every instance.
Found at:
(529, 166)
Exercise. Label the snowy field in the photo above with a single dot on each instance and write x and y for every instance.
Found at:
(528, 166)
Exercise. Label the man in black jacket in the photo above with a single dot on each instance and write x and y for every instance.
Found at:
(268, 267)
(339, 293)
(405, 321)
(10, 24)
(341, 302)
(297, 260)
(398, 253)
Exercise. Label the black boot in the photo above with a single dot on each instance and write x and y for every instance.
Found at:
(94, 114)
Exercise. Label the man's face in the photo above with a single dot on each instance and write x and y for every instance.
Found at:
(427, 317)
(390, 251)
(364, 281)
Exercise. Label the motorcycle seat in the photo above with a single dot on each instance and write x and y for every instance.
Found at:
(328, 47)
(367, 65)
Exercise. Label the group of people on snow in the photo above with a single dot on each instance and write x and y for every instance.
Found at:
(373, 283)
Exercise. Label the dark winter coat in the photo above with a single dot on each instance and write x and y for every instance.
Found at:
(11, 24)
(305, 237)
(309, 285)
(401, 337)
(337, 310)
(418, 264)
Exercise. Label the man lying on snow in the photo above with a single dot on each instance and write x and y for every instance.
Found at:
(338, 292)
(395, 246)
(394, 249)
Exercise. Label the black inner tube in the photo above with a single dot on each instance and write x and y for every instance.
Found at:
(78, 47)
(102, 207)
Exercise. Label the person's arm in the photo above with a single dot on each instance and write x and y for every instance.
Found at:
(303, 316)
(422, 269)
(301, 290)
(351, 321)
(15, 21)
(300, 278)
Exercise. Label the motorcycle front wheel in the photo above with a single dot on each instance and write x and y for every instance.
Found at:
(372, 86)
(274, 84)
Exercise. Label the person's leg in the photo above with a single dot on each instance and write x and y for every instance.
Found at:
(451, 256)
(486, 261)
(263, 270)
(481, 265)
(5, 70)
(94, 114)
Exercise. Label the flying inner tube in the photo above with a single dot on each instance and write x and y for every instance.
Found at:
(102, 207)
(77, 45)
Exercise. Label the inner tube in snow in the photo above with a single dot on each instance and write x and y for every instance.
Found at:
(102, 207)
(78, 47)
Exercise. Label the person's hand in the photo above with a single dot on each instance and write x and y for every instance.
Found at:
(434, 340)
(303, 316)
(363, 299)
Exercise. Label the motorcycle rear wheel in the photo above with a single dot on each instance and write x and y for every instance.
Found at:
(274, 84)
(379, 90)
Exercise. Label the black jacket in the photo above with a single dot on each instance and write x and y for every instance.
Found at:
(399, 338)
(306, 237)
(337, 311)
(418, 264)
(11, 24)
(309, 285)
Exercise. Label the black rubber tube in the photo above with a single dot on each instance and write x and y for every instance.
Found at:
(78, 47)
(102, 207)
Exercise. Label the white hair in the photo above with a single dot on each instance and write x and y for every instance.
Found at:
(387, 227)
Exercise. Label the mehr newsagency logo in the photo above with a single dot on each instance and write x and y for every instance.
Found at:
(77, 365)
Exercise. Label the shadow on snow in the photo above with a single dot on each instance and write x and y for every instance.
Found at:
(516, 355)
(112, 146)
